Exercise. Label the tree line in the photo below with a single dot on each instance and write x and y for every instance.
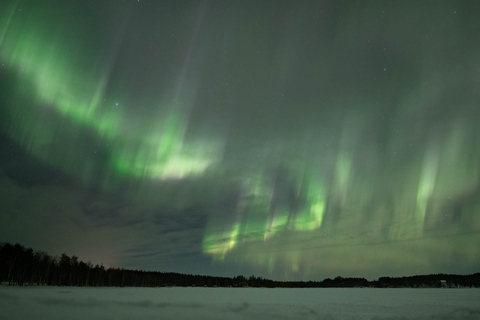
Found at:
(20, 266)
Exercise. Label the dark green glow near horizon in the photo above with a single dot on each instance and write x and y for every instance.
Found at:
(354, 137)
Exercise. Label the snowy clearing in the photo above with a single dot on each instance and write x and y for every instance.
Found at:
(237, 303)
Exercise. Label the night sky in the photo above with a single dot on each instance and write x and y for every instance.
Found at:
(293, 140)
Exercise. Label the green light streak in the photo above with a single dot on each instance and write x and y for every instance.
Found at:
(276, 224)
(7, 21)
(219, 244)
(343, 175)
(295, 266)
(311, 217)
(427, 182)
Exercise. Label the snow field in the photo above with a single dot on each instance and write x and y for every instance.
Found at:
(237, 303)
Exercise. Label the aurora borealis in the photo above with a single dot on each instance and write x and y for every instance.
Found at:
(286, 139)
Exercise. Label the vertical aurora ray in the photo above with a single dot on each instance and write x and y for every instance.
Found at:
(219, 245)
(427, 182)
(7, 19)
(311, 216)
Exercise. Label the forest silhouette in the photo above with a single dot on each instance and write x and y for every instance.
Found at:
(21, 266)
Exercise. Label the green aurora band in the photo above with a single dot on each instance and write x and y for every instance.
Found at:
(65, 109)
(55, 78)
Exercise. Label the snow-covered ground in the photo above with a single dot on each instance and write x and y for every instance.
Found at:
(237, 303)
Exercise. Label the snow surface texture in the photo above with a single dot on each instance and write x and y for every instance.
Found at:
(237, 303)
